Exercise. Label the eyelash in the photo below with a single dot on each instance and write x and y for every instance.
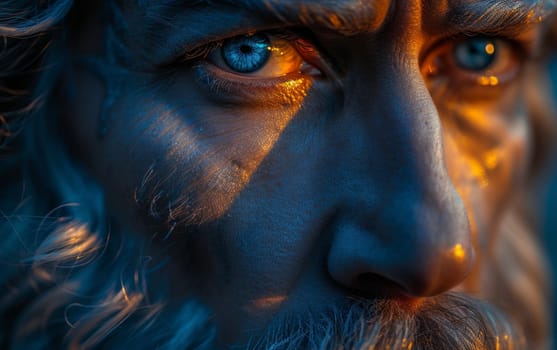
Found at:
(522, 46)
(202, 51)
(218, 80)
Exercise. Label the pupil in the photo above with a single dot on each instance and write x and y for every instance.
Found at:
(246, 49)
(246, 54)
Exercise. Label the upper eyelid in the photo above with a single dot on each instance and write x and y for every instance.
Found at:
(294, 33)
(526, 40)
(201, 50)
(323, 61)
(522, 46)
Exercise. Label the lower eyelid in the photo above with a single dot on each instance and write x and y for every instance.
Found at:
(225, 85)
(206, 69)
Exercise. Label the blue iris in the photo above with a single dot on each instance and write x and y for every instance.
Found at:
(475, 54)
(246, 54)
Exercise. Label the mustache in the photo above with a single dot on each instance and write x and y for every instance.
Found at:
(449, 321)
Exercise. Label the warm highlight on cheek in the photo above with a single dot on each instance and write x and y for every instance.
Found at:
(212, 150)
(486, 150)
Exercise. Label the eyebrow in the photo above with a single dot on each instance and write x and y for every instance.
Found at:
(165, 37)
(495, 17)
(349, 17)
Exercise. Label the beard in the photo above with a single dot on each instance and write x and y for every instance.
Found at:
(450, 321)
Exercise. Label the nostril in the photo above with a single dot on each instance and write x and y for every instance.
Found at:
(372, 285)
(403, 259)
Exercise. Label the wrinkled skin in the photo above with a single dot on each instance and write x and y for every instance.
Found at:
(381, 173)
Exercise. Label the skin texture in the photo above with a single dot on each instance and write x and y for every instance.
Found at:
(381, 173)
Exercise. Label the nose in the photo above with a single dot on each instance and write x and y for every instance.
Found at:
(402, 228)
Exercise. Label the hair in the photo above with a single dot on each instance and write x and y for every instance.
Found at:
(58, 239)
(449, 321)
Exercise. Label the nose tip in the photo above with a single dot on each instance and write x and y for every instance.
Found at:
(402, 228)
(399, 265)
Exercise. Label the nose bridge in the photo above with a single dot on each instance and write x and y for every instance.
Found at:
(395, 123)
(415, 232)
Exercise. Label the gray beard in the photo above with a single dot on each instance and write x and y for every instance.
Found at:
(451, 321)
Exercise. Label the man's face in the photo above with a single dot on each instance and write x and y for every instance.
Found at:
(291, 155)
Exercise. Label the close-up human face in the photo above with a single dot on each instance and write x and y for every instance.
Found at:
(290, 156)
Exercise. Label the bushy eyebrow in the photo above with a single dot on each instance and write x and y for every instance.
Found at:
(497, 16)
(349, 17)
(345, 16)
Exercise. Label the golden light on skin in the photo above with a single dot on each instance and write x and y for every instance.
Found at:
(458, 252)
(492, 159)
(479, 117)
(490, 80)
(467, 173)
(477, 170)
(284, 59)
(223, 172)
(481, 164)
(271, 302)
(476, 161)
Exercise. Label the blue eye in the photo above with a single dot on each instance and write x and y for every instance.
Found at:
(246, 54)
(475, 54)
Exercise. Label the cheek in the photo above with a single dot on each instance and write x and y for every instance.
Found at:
(486, 152)
(183, 157)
